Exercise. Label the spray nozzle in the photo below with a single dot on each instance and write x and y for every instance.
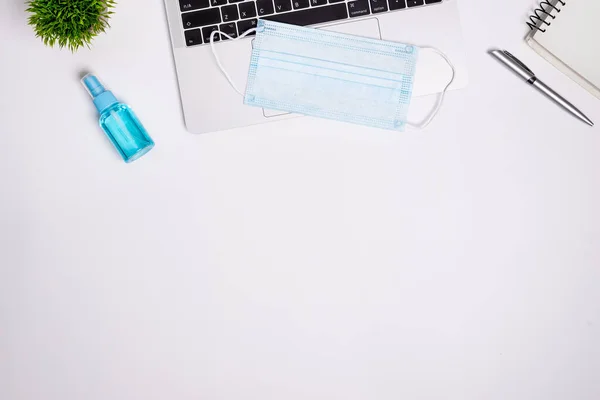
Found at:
(102, 98)
(93, 85)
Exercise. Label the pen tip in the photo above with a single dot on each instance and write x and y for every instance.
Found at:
(583, 118)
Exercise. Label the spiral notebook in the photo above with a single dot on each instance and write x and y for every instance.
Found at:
(566, 34)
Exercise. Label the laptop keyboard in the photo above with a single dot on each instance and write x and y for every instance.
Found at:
(234, 17)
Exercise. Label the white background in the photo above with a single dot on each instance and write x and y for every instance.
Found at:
(303, 259)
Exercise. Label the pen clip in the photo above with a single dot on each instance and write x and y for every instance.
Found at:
(516, 60)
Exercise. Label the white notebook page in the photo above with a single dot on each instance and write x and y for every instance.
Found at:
(574, 38)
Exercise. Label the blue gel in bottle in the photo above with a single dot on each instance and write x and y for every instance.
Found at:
(118, 121)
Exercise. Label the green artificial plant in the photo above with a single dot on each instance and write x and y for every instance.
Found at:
(69, 23)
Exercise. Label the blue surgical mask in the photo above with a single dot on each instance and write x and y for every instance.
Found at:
(330, 75)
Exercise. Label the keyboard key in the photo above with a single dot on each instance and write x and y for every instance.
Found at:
(230, 13)
(243, 26)
(206, 31)
(358, 8)
(282, 5)
(228, 29)
(264, 7)
(397, 4)
(189, 5)
(335, 1)
(432, 1)
(298, 4)
(247, 10)
(412, 3)
(235, 1)
(312, 15)
(215, 3)
(378, 6)
(201, 18)
(319, 2)
(193, 37)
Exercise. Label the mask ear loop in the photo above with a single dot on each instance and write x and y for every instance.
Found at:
(438, 104)
(214, 52)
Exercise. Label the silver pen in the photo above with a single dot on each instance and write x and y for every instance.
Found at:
(521, 69)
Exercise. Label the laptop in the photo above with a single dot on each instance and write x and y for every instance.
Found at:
(210, 104)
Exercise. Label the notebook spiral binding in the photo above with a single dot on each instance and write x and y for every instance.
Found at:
(547, 10)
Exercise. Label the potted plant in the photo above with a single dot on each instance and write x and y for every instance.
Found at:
(69, 23)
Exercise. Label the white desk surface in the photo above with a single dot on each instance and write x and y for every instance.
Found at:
(305, 259)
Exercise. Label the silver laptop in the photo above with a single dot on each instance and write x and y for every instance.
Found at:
(210, 104)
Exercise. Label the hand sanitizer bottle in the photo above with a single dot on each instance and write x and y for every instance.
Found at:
(119, 122)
